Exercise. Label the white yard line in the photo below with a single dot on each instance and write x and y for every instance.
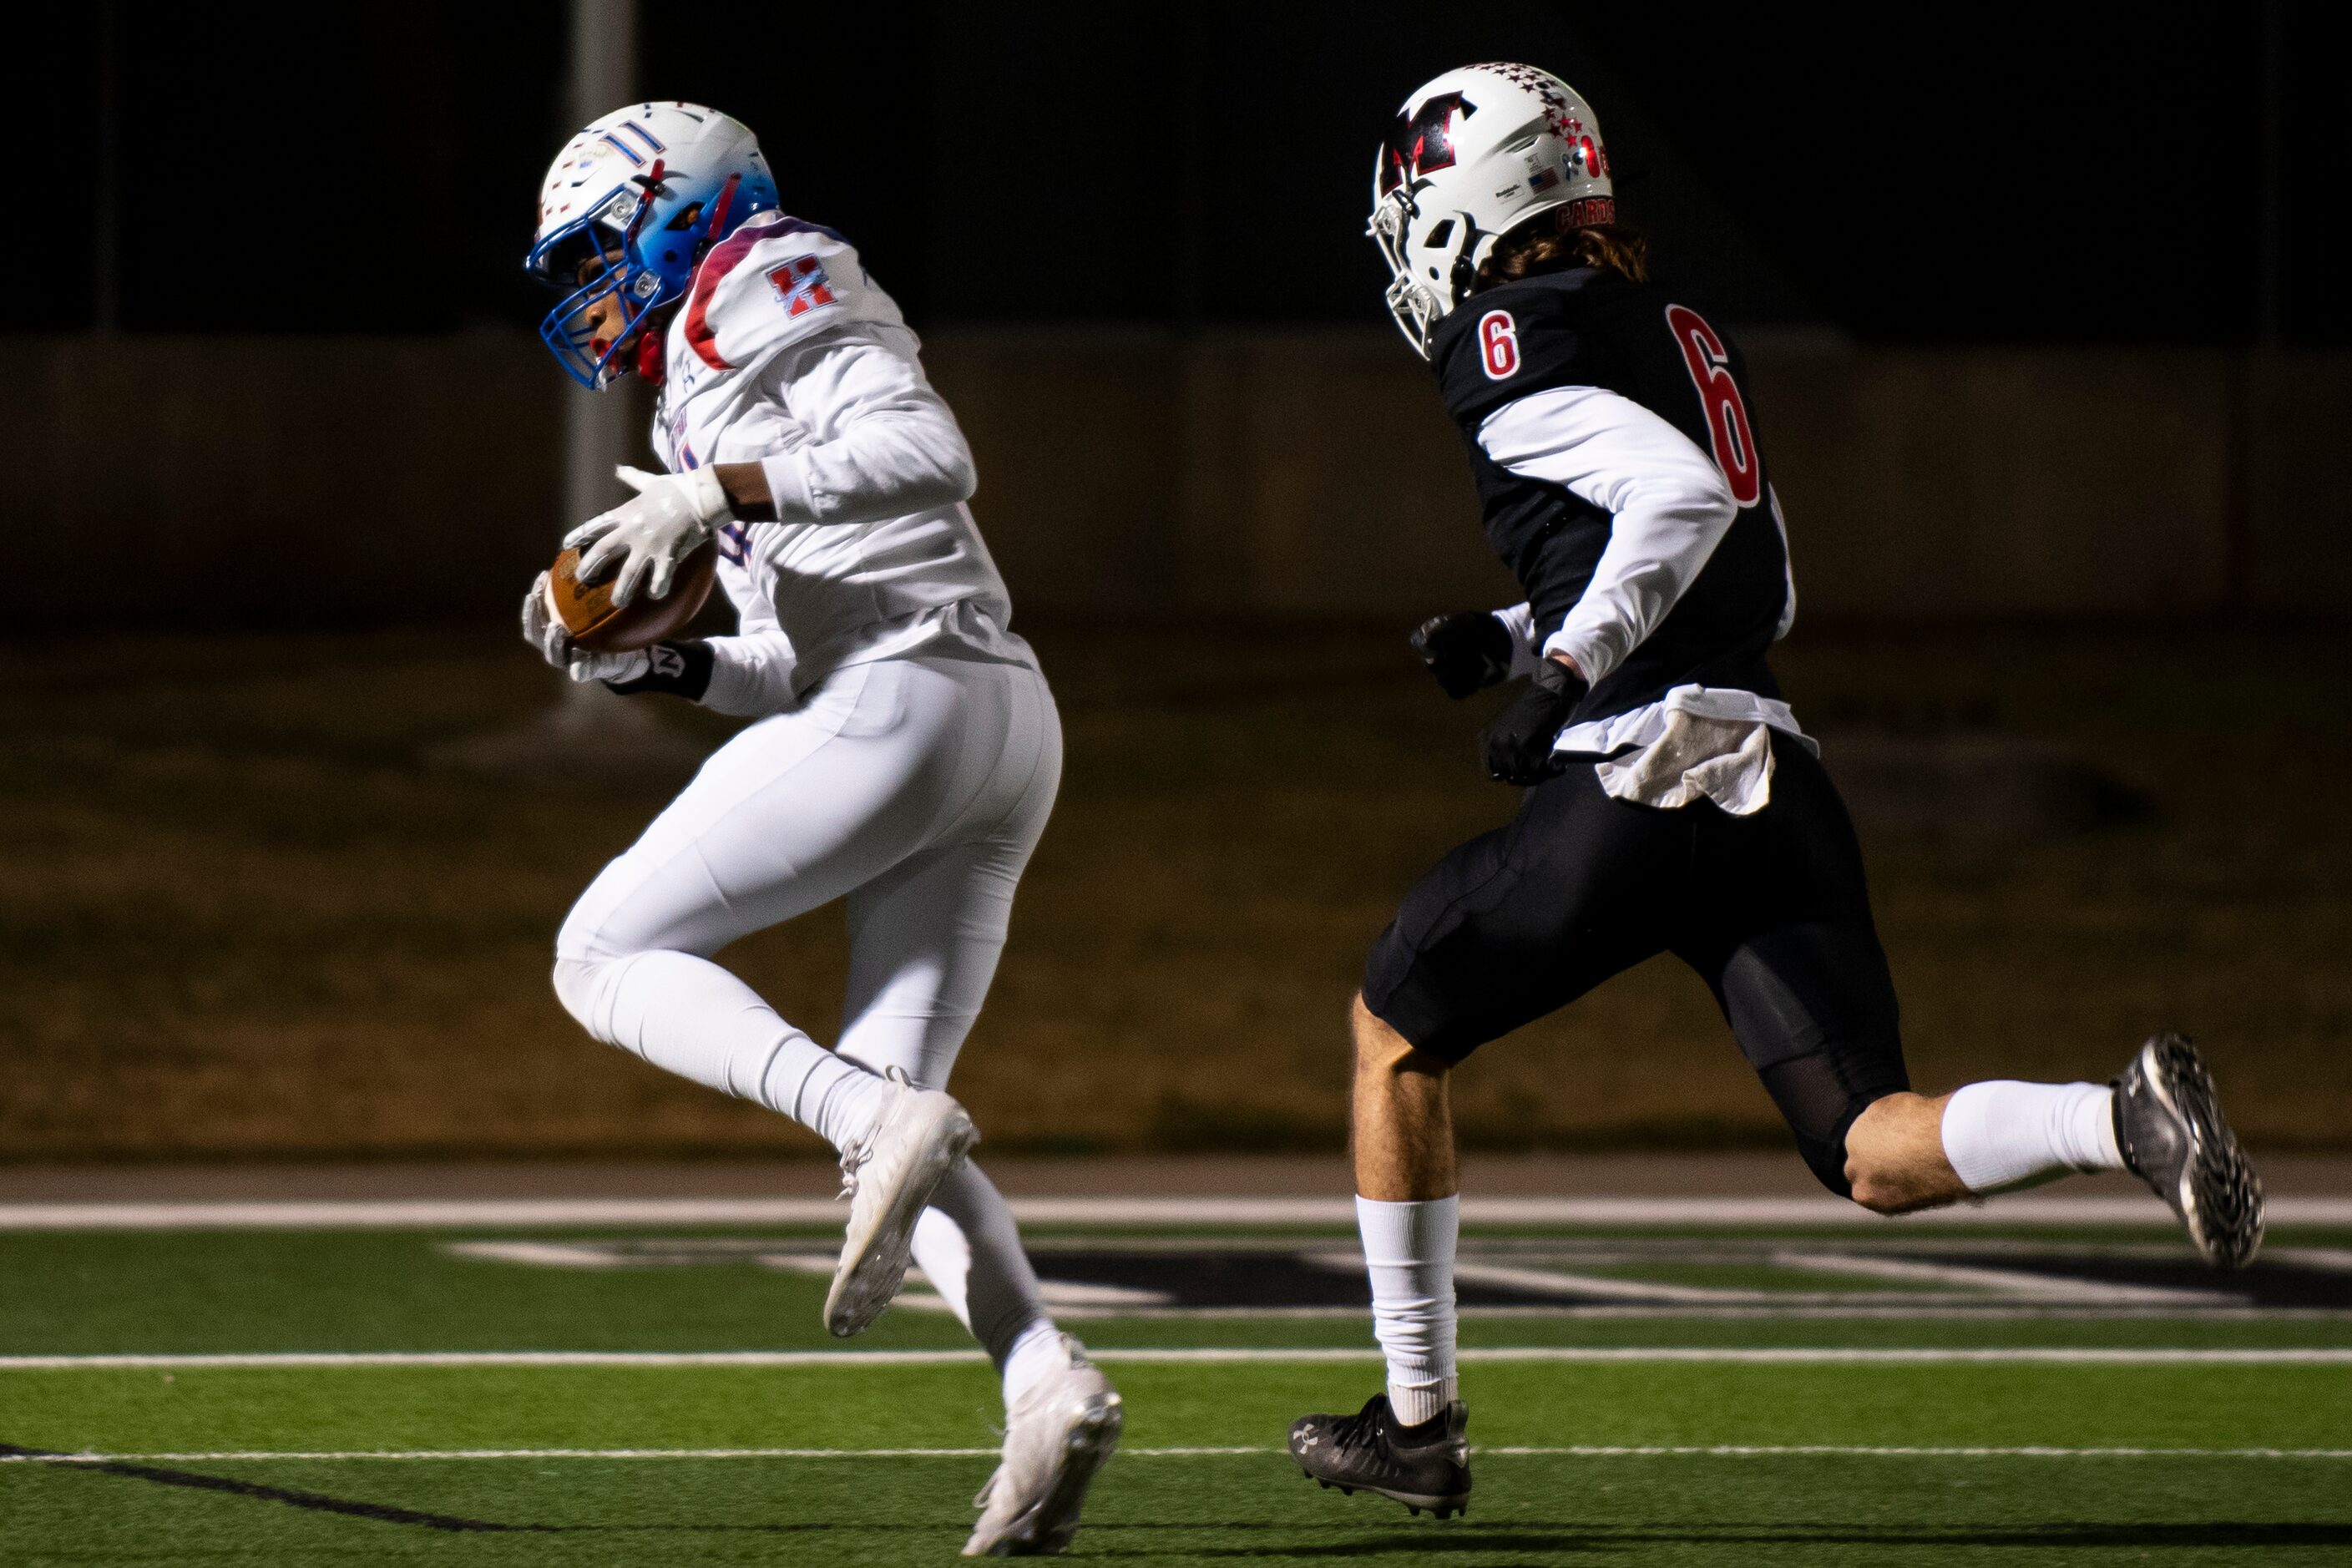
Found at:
(1580, 1451)
(1603, 1286)
(1764, 1355)
(2010, 1281)
(478, 1213)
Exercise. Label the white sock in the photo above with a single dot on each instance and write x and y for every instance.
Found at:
(1037, 1353)
(1408, 1253)
(689, 1015)
(843, 1105)
(2005, 1134)
(966, 1246)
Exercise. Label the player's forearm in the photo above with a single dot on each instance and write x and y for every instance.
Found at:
(746, 676)
(885, 468)
(887, 479)
(1669, 508)
(750, 673)
(1657, 547)
(892, 446)
(1519, 621)
(748, 495)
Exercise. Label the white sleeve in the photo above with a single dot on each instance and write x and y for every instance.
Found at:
(896, 447)
(750, 673)
(1668, 503)
(1519, 620)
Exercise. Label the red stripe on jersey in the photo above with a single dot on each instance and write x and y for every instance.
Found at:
(729, 254)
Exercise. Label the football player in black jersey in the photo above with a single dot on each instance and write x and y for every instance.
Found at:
(1671, 803)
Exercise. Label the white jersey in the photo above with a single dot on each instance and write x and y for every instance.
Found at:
(787, 354)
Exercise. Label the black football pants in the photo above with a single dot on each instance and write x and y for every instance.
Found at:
(1769, 908)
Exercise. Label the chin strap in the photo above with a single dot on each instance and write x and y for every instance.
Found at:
(652, 359)
(718, 227)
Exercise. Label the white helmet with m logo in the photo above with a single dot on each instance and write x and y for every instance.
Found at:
(1474, 154)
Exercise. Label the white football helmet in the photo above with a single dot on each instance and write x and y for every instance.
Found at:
(629, 206)
(1474, 154)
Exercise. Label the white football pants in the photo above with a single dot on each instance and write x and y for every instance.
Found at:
(913, 789)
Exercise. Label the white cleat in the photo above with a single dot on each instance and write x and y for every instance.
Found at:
(888, 1177)
(1056, 1435)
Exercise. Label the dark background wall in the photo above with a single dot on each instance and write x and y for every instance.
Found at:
(2042, 302)
(2001, 172)
(276, 481)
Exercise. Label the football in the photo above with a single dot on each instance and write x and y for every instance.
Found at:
(587, 613)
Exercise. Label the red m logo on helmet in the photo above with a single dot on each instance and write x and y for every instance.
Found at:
(1422, 141)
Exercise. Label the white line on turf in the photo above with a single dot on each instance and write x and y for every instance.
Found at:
(1757, 1356)
(1578, 1451)
(474, 1213)
(2011, 1281)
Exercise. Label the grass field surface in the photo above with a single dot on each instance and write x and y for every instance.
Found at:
(248, 915)
(653, 1397)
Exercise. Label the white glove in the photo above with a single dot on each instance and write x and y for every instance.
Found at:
(647, 536)
(544, 631)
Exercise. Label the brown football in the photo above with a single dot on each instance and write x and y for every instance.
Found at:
(586, 609)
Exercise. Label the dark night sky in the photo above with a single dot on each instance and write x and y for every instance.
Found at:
(1996, 173)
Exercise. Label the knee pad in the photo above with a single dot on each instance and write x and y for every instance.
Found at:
(1826, 1160)
(1821, 1107)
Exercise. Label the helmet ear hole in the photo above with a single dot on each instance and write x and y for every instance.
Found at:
(1440, 235)
(1466, 276)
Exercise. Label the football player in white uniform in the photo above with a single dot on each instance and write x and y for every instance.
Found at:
(904, 749)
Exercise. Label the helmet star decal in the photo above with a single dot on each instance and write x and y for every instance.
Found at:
(1546, 86)
(1423, 142)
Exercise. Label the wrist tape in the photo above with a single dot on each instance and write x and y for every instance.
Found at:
(678, 668)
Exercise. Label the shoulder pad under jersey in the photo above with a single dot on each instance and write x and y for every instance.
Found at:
(773, 281)
(1504, 343)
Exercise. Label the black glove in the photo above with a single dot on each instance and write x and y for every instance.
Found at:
(1466, 651)
(1519, 743)
(677, 669)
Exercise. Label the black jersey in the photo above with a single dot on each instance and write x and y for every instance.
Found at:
(1588, 327)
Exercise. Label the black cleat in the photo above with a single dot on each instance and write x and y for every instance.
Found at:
(1424, 1467)
(2168, 1125)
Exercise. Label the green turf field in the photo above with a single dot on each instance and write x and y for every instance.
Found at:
(1860, 1395)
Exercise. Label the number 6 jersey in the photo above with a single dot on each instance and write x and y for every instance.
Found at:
(1617, 463)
